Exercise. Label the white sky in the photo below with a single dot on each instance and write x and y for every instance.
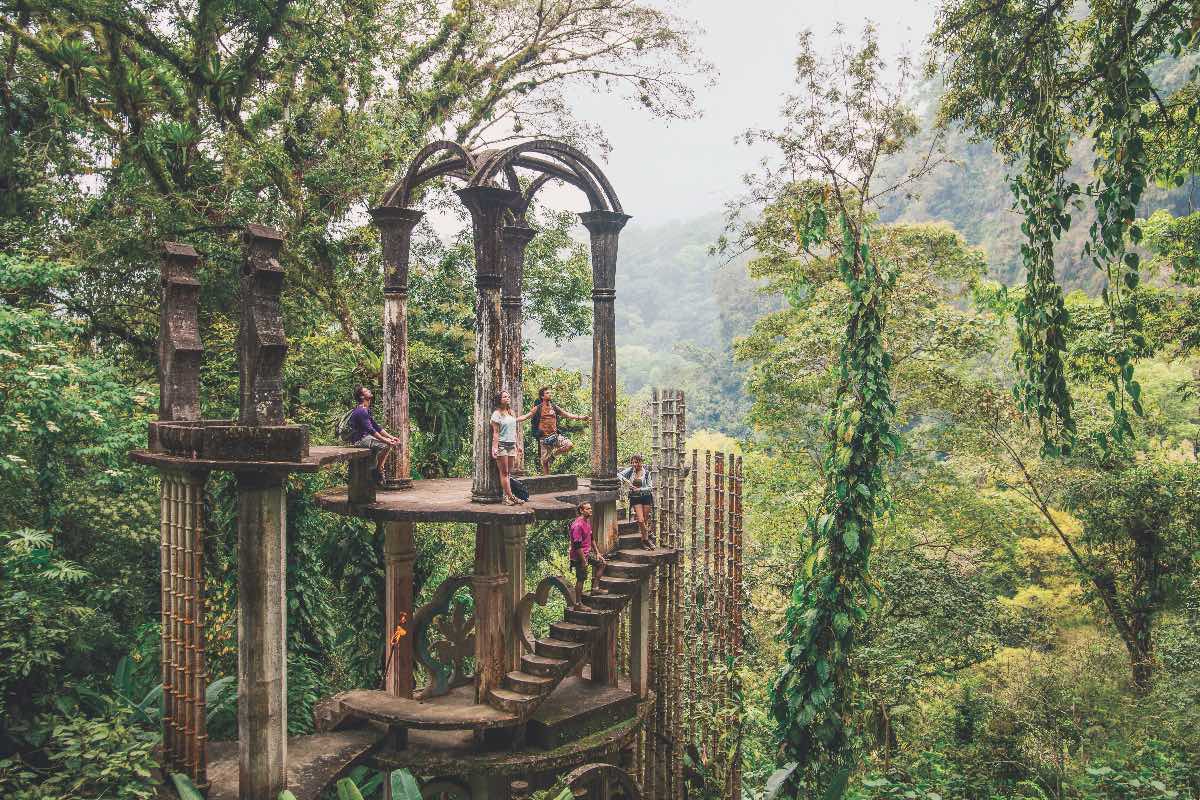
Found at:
(664, 171)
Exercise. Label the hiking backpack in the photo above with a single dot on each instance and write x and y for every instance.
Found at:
(342, 431)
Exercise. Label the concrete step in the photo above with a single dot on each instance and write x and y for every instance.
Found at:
(624, 586)
(655, 556)
(574, 632)
(605, 601)
(589, 616)
(512, 702)
(557, 648)
(627, 526)
(524, 683)
(628, 569)
(630, 540)
(546, 667)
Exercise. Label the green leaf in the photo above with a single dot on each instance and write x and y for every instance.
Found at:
(404, 785)
(346, 790)
(184, 786)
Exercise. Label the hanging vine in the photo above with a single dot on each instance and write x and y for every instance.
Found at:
(1119, 121)
(813, 699)
(1042, 195)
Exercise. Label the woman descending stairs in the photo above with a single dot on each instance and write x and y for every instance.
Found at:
(558, 655)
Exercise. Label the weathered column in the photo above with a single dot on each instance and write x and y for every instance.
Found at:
(487, 205)
(262, 528)
(604, 227)
(395, 227)
(262, 344)
(399, 553)
(639, 641)
(515, 238)
(513, 563)
(604, 649)
(489, 584)
(262, 648)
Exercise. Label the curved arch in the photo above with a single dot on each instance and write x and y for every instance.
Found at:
(402, 190)
(584, 778)
(594, 183)
(527, 197)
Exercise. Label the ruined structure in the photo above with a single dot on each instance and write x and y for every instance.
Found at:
(475, 702)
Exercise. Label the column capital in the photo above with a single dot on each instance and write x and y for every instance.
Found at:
(395, 226)
(604, 221)
(395, 217)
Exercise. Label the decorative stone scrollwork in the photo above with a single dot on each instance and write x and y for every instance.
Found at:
(602, 782)
(445, 659)
(541, 595)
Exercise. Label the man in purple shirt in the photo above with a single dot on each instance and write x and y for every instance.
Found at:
(365, 431)
(583, 552)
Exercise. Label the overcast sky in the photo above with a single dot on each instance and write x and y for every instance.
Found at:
(664, 171)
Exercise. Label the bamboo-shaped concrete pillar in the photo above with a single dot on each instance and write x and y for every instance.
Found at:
(184, 672)
(262, 526)
(488, 205)
(395, 228)
(604, 227)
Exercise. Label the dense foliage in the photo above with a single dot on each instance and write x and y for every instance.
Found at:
(975, 614)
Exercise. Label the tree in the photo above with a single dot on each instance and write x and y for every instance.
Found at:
(819, 224)
(1030, 76)
(126, 123)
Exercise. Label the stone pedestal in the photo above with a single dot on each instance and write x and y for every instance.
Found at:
(262, 636)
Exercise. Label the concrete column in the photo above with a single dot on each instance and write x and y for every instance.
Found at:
(604, 650)
(489, 584)
(514, 239)
(262, 636)
(488, 205)
(639, 642)
(604, 227)
(514, 564)
(395, 227)
(399, 553)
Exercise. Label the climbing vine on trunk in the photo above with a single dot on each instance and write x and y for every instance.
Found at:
(813, 697)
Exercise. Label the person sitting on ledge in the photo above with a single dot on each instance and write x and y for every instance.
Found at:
(641, 495)
(506, 446)
(583, 552)
(551, 443)
(365, 432)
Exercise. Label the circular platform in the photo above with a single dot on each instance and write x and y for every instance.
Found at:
(449, 500)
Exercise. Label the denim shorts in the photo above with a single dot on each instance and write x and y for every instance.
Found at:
(507, 448)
